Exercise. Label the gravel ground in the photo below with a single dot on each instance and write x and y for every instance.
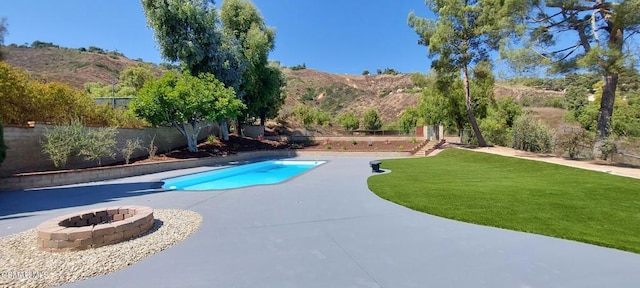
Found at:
(24, 266)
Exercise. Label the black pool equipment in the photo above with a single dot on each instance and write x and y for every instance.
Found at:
(375, 166)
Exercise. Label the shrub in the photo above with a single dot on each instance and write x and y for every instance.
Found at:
(323, 118)
(305, 115)
(348, 121)
(608, 148)
(573, 142)
(530, 134)
(129, 148)
(152, 149)
(408, 120)
(62, 141)
(3, 148)
(495, 130)
(302, 66)
(99, 143)
(328, 147)
(28, 100)
(626, 119)
(211, 139)
(372, 120)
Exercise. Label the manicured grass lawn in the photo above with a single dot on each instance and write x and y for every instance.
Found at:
(517, 194)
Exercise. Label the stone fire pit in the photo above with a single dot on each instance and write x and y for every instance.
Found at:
(94, 228)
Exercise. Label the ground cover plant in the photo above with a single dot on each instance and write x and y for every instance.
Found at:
(517, 194)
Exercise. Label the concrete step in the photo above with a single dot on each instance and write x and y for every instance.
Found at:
(429, 148)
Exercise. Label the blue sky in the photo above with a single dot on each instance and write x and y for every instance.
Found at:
(339, 36)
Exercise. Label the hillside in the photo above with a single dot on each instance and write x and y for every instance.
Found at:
(71, 66)
(335, 94)
(332, 93)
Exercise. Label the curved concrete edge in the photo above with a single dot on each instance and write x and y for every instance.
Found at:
(68, 177)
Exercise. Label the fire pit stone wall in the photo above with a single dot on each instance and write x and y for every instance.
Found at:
(94, 228)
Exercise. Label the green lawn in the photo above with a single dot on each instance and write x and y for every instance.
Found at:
(517, 194)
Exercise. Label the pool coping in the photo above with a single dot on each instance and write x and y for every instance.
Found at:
(25, 181)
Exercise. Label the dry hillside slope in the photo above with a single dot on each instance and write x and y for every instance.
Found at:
(335, 93)
(332, 93)
(70, 66)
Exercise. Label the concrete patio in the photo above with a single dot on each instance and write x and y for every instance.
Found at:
(323, 229)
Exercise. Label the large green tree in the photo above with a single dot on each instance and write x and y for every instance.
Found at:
(186, 102)
(135, 76)
(409, 120)
(443, 97)
(261, 88)
(442, 100)
(462, 35)
(584, 34)
(189, 32)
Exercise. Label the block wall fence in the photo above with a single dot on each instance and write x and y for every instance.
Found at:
(25, 150)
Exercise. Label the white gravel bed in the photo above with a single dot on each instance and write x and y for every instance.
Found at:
(22, 265)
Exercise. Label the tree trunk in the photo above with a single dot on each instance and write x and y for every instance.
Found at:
(263, 118)
(224, 130)
(603, 128)
(191, 143)
(470, 112)
(195, 132)
(237, 127)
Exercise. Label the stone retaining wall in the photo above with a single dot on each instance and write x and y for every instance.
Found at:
(25, 148)
(93, 228)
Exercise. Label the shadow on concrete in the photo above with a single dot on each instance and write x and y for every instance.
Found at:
(43, 199)
(48, 199)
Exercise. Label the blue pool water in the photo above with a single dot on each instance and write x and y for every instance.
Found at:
(261, 173)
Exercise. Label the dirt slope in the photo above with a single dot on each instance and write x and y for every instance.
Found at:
(337, 93)
(70, 65)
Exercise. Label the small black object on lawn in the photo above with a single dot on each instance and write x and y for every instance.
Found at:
(375, 166)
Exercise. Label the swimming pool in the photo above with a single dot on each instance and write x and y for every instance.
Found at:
(260, 173)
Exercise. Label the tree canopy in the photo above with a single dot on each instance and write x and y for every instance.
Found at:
(185, 102)
(189, 32)
(408, 120)
(596, 34)
(261, 87)
(463, 34)
(25, 100)
(135, 76)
